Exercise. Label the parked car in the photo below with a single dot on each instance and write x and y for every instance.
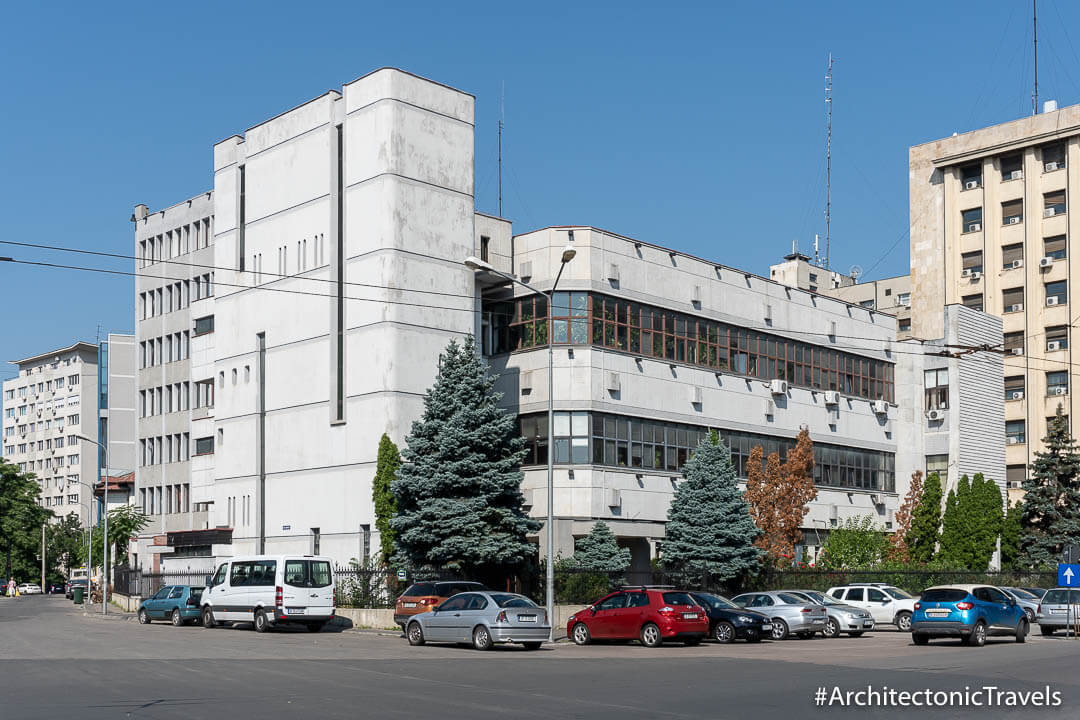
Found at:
(1037, 592)
(1054, 612)
(970, 612)
(888, 604)
(728, 621)
(29, 589)
(788, 613)
(651, 615)
(840, 617)
(423, 596)
(1024, 599)
(483, 618)
(69, 592)
(55, 589)
(178, 603)
(270, 590)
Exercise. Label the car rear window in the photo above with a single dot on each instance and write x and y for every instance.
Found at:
(678, 598)
(792, 599)
(1058, 597)
(196, 594)
(512, 601)
(418, 589)
(944, 595)
(308, 573)
(446, 589)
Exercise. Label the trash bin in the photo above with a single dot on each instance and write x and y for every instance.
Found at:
(78, 593)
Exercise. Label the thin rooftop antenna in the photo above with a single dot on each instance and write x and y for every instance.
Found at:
(828, 159)
(502, 118)
(1035, 28)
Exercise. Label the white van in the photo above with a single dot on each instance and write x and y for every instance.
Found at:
(268, 590)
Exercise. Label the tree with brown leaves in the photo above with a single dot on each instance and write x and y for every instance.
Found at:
(778, 496)
(898, 541)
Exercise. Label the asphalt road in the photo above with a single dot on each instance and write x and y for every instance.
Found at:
(58, 663)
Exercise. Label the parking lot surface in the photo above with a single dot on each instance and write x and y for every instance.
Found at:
(57, 662)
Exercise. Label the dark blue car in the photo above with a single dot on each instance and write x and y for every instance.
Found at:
(970, 612)
(178, 603)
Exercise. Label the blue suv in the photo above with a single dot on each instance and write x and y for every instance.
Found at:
(969, 612)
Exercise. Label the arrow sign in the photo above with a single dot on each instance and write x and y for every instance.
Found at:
(1068, 575)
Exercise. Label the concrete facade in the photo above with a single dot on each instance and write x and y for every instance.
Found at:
(990, 228)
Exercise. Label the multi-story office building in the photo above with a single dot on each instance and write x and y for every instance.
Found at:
(84, 389)
(991, 229)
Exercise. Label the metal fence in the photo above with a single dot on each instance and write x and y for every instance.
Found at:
(130, 581)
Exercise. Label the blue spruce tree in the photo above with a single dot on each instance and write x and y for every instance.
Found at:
(709, 528)
(459, 501)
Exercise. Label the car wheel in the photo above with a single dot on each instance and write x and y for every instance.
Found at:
(650, 635)
(532, 645)
(779, 629)
(177, 621)
(1046, 631)
(903, 622)
(724, 632)
(207, 617)
(858, 633)
(262, 624)
(1021, 630)
(481, 638)
(1030, 615)
(920, 638)
(415, 633)
(977, 638)
(144, 617)
(315, 627)
(832, 628)
(581, 635)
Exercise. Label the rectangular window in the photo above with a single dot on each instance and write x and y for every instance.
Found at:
(936, 388)
(975, 302)
(971, 220)
(570, 318)
(972, 262)
(485, 241)
(1014, 387)
(937, 464)
(1014, 343)
(1057, 293)
(971, 177)
(1053, 157)
(1055, 247)
(1012, 256)
(1057, 383)
(204, 325)
(571, 437)
(1013, 300)
(1054, 203)
(1012, 212)
(204, 446)
(1012, 168)
(1014, 432)
(1057, 338)
(1015, 475)
(904, 299)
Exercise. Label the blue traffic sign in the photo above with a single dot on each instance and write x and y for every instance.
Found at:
(1068, 575)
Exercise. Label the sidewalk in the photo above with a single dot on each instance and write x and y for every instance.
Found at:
(115, 613)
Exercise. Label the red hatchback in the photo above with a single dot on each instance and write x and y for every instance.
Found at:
(647, 614)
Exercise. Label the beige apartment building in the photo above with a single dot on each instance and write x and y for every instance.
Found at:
(991, 229)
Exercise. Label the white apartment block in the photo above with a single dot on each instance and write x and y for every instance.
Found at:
(84, 389)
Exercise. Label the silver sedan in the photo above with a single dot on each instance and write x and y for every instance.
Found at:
(841, 618)
(1024, 599)
(790, 613)
(482, 619)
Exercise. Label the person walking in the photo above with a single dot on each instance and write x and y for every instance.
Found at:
(11, 589)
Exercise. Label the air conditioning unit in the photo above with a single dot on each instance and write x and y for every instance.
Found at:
(1012, 220)
(527, 381)
(1015, 308)
(1050, 166)
(1016, 175)
(778, 387)
(934, 415)
(526, 270)
(1053, 345)
(1016, 395)
(971, 184)
(881, 407)
(1052, 300)
(1017, 351)
(832, 328)
(966, 273)
(613, 497)
(527, 498)
(613, 272)
(1046, 262)
(975, 276)
(1058, 391)
(1012, 441)
(834, 512)
(695, 294)
(832, 397)
(975, 227)
(613, 384)
(695, 395)
(876, 499)
(1049, 212)
(770, 408)
(768, 312)
(1017, 264)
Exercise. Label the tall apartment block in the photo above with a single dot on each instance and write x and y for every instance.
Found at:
(84, 389)
(991, 230)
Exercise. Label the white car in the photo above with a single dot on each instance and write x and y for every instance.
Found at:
(29, 589)
(887, 604)
(269, 590)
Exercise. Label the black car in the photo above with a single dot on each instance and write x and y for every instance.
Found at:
(72, 584)
(728, 621)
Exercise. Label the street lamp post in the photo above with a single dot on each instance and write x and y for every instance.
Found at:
(568, 253)
(105, 558)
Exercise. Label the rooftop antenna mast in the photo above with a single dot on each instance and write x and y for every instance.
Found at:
(502, 118)
(828, 159)
(1035, 31)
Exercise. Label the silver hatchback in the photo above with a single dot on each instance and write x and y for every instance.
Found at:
(790, 613)
(841, 618)
(483, 619)
(1058, 610)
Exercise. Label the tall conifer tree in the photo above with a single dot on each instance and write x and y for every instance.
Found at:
(1051, 510)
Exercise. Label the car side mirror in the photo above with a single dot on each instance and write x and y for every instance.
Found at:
(1012, 601)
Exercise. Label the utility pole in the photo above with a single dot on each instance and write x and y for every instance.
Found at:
(1035, 32)
(43, 557)
(828, 159)
(502, 118)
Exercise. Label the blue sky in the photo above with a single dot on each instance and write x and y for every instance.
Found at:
(694, 126)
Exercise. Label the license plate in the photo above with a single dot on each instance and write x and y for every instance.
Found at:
(408, 604)
(766, 626)
(526, 618)
(937, 613)
(689, 616)
(868, 624)
(294, 611)
(819, 621)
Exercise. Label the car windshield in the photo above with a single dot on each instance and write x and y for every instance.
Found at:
(506, 600)
(716, 601)
(944, 595)
(678, 598)
(1058, 597)
(897, 593)
(1022, 594)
